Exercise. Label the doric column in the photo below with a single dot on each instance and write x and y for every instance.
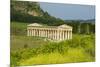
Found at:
(63, 34)
(30, 32)
(68, 34)
(53, 34)
(57, 34)
(42, 33)
(71, 34)
(39, 32)
(60, 35)
(34, 32)
(47, 33)
(27, 32)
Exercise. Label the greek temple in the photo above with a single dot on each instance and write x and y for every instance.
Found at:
(59, 33)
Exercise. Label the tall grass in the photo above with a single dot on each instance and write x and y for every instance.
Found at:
(80, 49)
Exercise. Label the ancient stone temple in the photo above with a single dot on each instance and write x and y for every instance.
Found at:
(62, 32)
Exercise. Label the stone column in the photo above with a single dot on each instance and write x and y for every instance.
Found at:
(47, 33)
(63, 35)
(68, 34)
(34, 32)
(39, 32)
(60, 35)
(31, 32)
(53, 34)
(27, 32)
(43, 33)
(57, 34)
(71, 34)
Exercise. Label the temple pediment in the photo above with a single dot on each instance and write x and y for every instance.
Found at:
(64, 26)
(35, 24)
(40, 25)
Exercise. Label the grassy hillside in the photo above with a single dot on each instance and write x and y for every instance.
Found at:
(18, 28)
(22, 41)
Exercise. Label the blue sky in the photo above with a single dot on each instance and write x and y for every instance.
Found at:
(69, 11)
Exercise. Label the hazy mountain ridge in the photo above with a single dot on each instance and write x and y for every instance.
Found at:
(26, 7)
(82, 21)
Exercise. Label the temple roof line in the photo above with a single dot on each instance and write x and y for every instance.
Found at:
(40, 25)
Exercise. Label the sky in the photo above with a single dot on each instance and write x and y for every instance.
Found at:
(69, 11)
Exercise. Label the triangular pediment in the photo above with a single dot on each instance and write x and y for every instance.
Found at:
(64, 26)
(34, 24)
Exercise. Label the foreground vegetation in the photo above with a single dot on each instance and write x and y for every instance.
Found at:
(80, 49)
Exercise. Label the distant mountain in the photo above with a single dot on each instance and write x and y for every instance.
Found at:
(26, 7)
(82, 21)
(89, 21)
(30, 12)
